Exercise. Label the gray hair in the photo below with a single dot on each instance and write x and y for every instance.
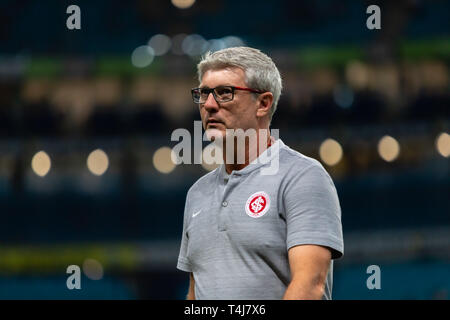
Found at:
(261, 72)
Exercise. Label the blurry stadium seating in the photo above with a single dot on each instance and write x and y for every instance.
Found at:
(73, 93)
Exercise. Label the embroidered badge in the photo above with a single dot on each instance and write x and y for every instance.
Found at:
(257, 204)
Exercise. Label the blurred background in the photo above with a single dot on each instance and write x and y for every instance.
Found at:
(86, 118)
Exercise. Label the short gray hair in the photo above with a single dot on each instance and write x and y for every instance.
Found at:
(261, 72)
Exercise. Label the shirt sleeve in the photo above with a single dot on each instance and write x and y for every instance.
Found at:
(313, 213)
(183, 260)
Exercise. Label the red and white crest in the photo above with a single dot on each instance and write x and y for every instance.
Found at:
(257, 204)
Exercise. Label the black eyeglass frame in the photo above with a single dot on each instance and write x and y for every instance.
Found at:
(213, 91)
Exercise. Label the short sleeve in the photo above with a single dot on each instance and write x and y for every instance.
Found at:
(183, 261)
(313, 213)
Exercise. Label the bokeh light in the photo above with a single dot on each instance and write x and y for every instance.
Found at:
(388, 148)
(443, 144)
(142, 56)
(41, 163)
(330, 152)
(163, 160)
(183, 4)
(98, 162)
(194, 45)
(216, 45)
(160, 43)
(93, 269)
(233, 41)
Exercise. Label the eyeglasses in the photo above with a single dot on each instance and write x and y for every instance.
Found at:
(220, 93)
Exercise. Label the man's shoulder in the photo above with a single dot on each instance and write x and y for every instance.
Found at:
(204, 183)
(297, 161)
(301, 166)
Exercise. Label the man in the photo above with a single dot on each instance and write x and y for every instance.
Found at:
(248, 235)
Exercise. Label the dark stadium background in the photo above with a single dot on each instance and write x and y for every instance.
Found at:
(381, 95)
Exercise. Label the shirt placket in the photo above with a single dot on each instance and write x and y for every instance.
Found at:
(225, 200)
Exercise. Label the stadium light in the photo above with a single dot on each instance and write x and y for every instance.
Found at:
(41, 163)
(194, 45)
(330, 152)
(233, 41)
(98, 162)
(142, 56)
(160, 44)
(183, 4)
(388, 148)
(163, 160)
(443, 144)
(93, 269)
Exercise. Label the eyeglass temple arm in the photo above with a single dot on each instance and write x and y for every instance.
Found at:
(249, 89)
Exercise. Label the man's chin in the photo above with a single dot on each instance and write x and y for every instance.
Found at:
(212, 134)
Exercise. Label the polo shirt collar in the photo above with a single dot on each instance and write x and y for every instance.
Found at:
(255, 164)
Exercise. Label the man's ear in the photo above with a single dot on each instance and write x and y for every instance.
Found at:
(265, 104)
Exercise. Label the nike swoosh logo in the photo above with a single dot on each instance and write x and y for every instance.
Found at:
(196, 214)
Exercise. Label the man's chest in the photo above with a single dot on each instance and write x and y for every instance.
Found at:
(237, 215)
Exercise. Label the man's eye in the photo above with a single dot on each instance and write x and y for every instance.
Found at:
(223, 91)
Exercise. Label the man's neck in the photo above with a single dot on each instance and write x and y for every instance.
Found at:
(251, 152)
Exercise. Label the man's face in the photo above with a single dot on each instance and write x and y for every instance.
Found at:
(240, 113)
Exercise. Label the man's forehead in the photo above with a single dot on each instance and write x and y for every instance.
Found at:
(217, 76)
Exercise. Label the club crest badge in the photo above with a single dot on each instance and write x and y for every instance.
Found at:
(257, 204)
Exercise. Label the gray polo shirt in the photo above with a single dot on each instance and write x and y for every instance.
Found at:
(238, 228)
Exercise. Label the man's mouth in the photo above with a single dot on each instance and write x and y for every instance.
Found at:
(213, 122)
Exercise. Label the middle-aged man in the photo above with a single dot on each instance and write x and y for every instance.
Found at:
(248, 235)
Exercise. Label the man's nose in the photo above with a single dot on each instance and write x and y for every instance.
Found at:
(211, 103)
